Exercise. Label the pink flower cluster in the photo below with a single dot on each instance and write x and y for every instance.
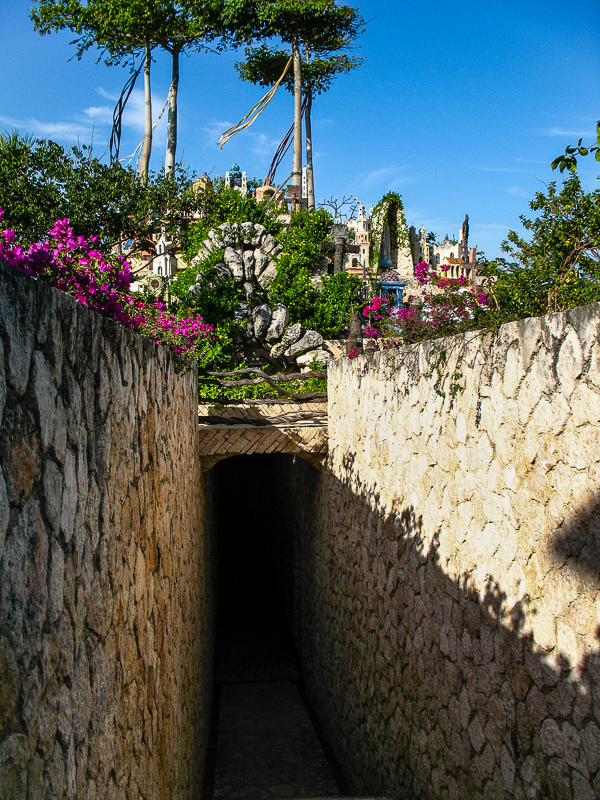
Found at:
(446, 306)
(184, 335)
(422, 270)
(377, 307)
(377, 311)
(77, 267)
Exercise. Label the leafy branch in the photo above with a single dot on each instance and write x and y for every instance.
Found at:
(568, 161)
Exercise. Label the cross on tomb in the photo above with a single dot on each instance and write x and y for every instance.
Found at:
(295, 199)
(339, 247)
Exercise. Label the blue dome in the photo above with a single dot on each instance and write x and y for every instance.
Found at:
(388, 277)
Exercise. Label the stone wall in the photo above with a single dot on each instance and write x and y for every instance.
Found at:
(449, 592)
(105, 650)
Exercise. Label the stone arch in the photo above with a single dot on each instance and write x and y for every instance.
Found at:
(390, 240)
(270, 429)
(316, 460)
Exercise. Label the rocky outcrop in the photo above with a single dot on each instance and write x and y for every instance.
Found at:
(261, 317)
(250, 259)
(280, 317)
(310, 341)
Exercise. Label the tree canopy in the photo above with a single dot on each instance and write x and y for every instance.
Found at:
(557, 265)
(264, 65)
(40, 181)
(321, 28)
(123, 29)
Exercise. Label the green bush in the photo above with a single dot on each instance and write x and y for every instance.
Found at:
(557, 267)
(334, 303)
(214, 301)
(40, 182)
(228, 205)
(211, 392)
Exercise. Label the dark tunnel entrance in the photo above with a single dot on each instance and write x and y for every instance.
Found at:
(265, 742)
(255, 580)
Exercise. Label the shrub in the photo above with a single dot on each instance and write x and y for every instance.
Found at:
(102, 282)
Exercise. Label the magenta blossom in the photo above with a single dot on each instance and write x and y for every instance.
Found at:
(102, 282)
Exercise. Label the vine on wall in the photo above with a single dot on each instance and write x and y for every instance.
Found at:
(391, 209)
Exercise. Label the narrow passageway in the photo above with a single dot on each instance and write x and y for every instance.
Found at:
(265, 746)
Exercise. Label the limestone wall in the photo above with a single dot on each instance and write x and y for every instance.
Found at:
(104, 645)
(450, 581)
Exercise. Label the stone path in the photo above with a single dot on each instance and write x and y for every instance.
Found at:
(267, 748)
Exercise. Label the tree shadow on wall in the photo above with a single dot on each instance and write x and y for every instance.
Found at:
(431, 688)
(576, 543)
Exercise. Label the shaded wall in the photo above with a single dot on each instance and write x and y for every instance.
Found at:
(449, 585)
(105, 649)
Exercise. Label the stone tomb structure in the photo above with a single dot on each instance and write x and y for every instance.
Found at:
(442, 566)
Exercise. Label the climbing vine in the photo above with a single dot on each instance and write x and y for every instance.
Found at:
(397, 223)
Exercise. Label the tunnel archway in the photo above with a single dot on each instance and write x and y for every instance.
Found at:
(254, 508)
(264, 733)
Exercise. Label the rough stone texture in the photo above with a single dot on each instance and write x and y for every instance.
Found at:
(292, 334)
(230, 234)
(235, 264)
(105, 649)
(279, 319)
(261, 317)
(259, 233)
(249, 262)
(320, 356)
(310, 341)
(261, 262)
(269, 245)
(267, 275)
(449, 592)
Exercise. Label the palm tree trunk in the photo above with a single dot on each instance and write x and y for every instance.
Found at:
(147, 144)
(172, 114)
(310, 178)
(297, 161)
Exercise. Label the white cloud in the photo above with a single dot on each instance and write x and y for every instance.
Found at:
(517, 191)
(406, 180)
(107, 95)
(575, 134)
(102, 114)
(69, 131)
(215, 128)
(95, 120)
(379, 176)
(263, 145)
(135, 114)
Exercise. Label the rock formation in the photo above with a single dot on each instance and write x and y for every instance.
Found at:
(250, 260)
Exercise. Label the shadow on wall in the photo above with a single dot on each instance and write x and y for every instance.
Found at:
(427, 687)
(577, 541)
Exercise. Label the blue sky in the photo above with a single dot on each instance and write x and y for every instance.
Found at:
(459, 107)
